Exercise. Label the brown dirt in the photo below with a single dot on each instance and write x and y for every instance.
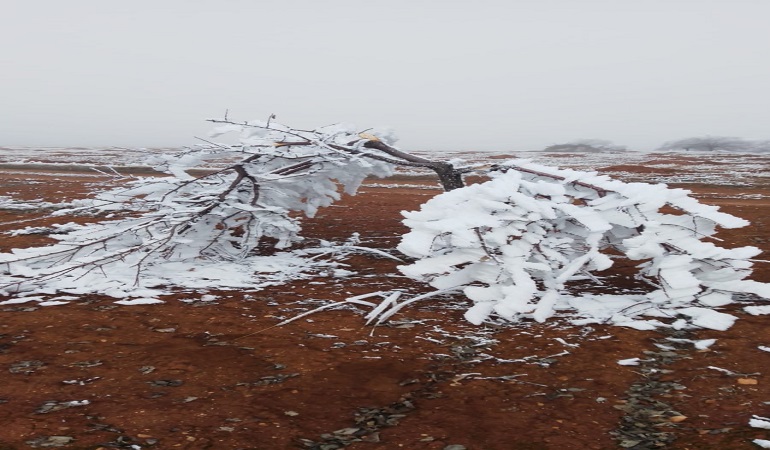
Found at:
(645, 169)
(213, 375)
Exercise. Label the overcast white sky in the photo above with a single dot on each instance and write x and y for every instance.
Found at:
(445, 74)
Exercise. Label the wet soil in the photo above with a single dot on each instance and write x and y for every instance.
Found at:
(195, 373)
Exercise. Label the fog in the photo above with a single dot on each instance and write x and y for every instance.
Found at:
(446, 75)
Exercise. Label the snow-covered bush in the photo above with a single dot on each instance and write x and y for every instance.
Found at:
(513, 243)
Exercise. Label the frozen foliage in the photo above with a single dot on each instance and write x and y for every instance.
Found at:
(228, 217)
(512, 244)
(216, 229)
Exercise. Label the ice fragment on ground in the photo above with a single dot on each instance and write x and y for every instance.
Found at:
(760, 422)
(629, 362)
(704, 343)
(700, 345)
(139, 301)
(52, 303)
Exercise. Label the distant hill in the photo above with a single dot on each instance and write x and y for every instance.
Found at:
(717, 143)
(585, 146)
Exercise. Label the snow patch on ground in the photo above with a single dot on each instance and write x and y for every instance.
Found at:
(139, 301)
(762, 423)
(629, 362)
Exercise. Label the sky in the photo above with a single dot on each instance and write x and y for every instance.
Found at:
(445, 75)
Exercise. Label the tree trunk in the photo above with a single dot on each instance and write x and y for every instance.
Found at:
(449, 177)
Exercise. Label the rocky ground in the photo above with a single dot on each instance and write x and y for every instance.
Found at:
(207, 370)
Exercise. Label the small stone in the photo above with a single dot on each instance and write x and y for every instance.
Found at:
(455, 447)
(291, 413)
(51, 441)
(86, 364)
(52, 406)
(26, 367)
(166, 383)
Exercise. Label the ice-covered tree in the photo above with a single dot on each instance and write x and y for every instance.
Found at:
(214, 228)
(512, 244)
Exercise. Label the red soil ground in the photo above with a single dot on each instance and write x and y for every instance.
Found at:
(214, 375)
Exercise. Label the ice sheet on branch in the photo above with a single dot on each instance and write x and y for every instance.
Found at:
(126, 279)
(229, 228)
(513, 244)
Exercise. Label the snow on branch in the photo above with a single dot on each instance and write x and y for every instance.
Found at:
(512, 244)
(219, 228)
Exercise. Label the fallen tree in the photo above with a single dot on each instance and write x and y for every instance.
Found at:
(514, 243)
(511, 244)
